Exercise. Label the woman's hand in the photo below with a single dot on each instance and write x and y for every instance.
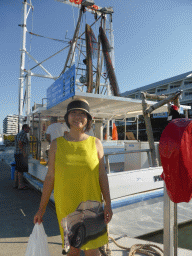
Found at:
(38, 216)
(107, 213)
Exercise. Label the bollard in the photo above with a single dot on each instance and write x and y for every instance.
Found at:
(13, 164)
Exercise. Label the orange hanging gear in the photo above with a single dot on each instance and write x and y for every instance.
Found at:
(114, 132)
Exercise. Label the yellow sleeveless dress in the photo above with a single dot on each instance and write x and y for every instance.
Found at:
(77, 180)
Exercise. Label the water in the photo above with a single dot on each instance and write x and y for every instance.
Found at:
(184, 236)
(7, 155)
(139, 219)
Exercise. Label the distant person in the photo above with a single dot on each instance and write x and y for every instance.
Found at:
(174, 113)
(55, 130)
(21, 157)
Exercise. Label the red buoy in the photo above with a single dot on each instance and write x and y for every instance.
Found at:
(175, 148)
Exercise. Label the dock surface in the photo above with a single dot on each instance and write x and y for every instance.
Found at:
(18, 208)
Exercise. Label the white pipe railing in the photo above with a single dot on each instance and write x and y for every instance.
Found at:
(148, 151)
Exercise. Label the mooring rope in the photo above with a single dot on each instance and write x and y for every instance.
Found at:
(146, 249)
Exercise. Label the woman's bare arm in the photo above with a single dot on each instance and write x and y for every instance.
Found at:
(48, 183)
(104, 184)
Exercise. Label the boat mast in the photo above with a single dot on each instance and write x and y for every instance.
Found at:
(22, 61)
(73, 43)
(27, 73)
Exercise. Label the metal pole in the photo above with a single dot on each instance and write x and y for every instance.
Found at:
(78, 58)
(149, 131)
(74, 41)
(137, 127)
(107, 163)
(22, 64)
(108, 130)
(175, 230)
(112, 40)
(28, 98)
(72, 60)
(149, 158)
(125, 130)
(168, 236)
(26, 94)
(39, 137)
(49, 74)
(112, 47)
(32, 133)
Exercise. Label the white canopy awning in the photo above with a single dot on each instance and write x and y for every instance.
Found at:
(104, 107)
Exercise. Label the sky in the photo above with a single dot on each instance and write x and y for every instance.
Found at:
(152, 41)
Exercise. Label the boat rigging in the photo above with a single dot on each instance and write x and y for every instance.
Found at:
(93, 55)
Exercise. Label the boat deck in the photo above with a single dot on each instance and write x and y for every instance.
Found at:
(17, 211)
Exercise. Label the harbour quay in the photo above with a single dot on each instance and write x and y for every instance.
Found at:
(18, 209)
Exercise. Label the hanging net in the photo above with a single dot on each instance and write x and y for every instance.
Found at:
(91, 50)
(94, 44)
(110, 70)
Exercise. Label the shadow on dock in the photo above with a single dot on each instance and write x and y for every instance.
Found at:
(18, 208)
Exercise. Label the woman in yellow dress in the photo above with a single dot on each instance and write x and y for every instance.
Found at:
(77, 173)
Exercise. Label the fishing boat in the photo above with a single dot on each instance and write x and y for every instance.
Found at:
(133, 167)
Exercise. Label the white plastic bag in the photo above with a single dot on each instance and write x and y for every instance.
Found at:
(37, 244)
(66, 233)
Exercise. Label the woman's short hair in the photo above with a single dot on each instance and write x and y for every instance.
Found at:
(88, 126)
(89, 117)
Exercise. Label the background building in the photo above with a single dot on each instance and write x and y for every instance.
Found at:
(166, 87)
(10, 125)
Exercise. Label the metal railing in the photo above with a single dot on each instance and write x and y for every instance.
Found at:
(148, 151)
(170, 210)
(34, 145)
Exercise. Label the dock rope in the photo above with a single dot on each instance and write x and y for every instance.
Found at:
(146, 249)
